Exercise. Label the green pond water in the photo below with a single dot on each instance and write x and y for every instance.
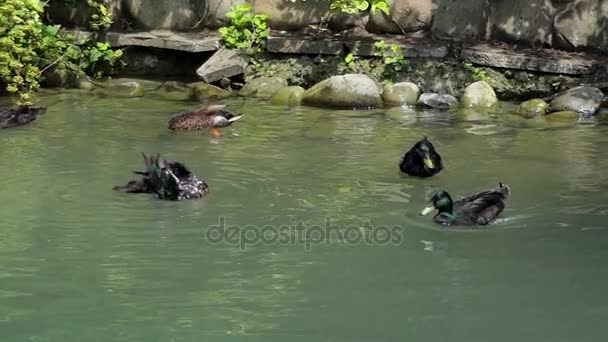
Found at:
(79, 262)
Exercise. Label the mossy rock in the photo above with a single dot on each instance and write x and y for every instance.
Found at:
(403, 93)
(288, 96)
(174, 91)
(347, 91)
(120, 88)
(203, 91)
(480, 95)
(532, 108)
(263, 87)
(563, 116)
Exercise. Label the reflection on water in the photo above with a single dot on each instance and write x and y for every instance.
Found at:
(79, 262)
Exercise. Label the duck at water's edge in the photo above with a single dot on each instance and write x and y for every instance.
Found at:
(19, 116)
(479, 209)
(209, 117)
(421, 160)
(167, 180)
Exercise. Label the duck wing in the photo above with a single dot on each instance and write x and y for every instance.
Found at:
(161, 179)
(483, 207)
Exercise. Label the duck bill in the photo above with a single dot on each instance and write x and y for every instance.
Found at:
(428, 162)
(427, 210)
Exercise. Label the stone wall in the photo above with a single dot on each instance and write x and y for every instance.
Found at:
(563, 24)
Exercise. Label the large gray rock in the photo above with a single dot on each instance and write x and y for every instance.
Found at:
(434, 100)
(584, 100)
(582, 24)
(410, 15)
(529, 21)
(263, 87)
(401, 93)
(224, 63)
(480, 95)
(216, 11)
(351, 90)
(288, 15)
(163, 14)
(462, 19)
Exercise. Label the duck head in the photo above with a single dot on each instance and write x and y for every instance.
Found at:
(441, 201)
(425, 152)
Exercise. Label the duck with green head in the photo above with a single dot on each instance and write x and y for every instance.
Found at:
(478, 209)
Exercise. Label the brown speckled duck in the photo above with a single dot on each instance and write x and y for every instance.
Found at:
(209, 117)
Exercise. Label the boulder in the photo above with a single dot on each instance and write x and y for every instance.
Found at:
(480, 95)
(345, 21)
(582, 24)
(532, 108)
(174, 91)
(351, 90)
(584, 100)
(411, 15)
(462, 19)
(216, 11)
(529, 21)
(223, 64)
(263, 87)
(434, 100)
(291, 15)
(162, 14)
(203, 91)
(59, 78)
(403, 93)
(288, 96)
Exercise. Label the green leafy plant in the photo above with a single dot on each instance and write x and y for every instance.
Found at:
(247, 31)
(477, 73)
(28, 48)
(358, 6)
(392, 56)
(100, 19)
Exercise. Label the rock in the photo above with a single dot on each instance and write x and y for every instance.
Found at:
(551, 61)
(351, 90)
(263, 87)
(181, 41)
(344, 21)
(290, 96)
(480, 95)
(59, 78)
(291, 15)
(401, 93)
(304, 45)
(216, 12)
(223, 63)
(532, 108)
(462, 19)
(562, 116)
(202, 91)
(411, 15)
(528, 21)
(584, 100)
(582, 24)
(434, 100)
(162, 14)
(174, 91)
(120, 88)
(85, 83)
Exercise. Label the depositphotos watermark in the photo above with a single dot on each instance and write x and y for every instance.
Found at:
(300, 233)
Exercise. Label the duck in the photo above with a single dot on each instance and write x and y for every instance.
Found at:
(166, 180)
(208, 117)
(19, 116)
(422, 160)
(478, 209)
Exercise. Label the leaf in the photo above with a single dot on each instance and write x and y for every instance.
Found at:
(349, 58)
